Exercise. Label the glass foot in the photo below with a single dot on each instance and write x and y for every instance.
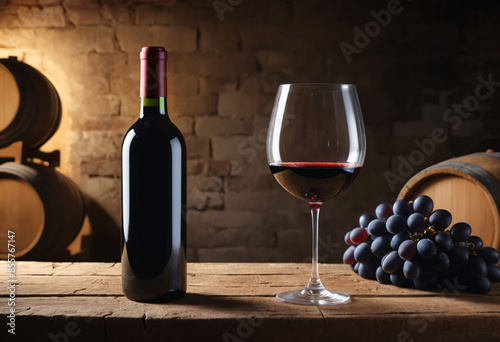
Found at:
(313, 297)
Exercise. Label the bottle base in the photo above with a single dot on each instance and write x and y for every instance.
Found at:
(167, 297)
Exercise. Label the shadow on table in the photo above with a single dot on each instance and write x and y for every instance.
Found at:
(219, 302)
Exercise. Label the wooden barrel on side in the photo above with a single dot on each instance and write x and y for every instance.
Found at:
(468, 187)
(30, 108)
(42, 207)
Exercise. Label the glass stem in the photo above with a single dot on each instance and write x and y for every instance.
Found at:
(315, 285)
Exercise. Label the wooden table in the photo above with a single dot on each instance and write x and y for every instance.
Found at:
(235, 302)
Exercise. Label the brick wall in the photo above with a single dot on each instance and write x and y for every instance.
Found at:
(411, 61)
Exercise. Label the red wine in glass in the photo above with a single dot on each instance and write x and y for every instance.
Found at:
(316, 147)
(315, 181)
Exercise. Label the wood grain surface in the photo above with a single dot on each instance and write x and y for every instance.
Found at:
(235, 302)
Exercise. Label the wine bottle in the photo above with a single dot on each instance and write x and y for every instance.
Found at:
(153, 193)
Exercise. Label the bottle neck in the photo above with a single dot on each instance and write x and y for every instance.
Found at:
(153, 106)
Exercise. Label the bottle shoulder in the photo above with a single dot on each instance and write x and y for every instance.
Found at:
(155, 127)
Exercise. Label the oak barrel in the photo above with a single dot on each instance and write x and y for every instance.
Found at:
(42, 207)
(30, 108)
(468, 187)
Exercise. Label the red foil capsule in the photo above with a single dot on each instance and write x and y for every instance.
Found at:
(153, 72)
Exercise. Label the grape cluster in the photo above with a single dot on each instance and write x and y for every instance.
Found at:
(407, 245)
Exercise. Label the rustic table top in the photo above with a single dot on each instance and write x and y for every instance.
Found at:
(235, 302)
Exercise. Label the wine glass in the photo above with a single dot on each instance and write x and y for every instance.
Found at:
(315, 149)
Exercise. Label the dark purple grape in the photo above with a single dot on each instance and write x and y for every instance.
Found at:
(440, 219)
(426, 249)
(367, 270)
(489, 254)
(441, 262)
(450, 280)
(401, 208)
(347, 238)
(358, 235)
(377, 228)
(365, 219)
(443, 241)
(398, 239)
(380, 246)
(411, 269)
(392, 262)
(424, 205)
(410, 204)
(396, 224)
(363, 253)
(383, 258)
(477, 267)
(426, 282)
(458, 255)
(476, 241)
(348, 257)
(426, 265)
(398, 279)
(481, 285)
(460, 231)
(493, 273)
(407, 250)
(383, 211)
(356, 266)
(382, 276)
(416, 223)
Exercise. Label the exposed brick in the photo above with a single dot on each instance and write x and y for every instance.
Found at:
(222, 82)
(468, 128)
(219, 39)
(16, 38)
(214, 84)
(226, 148)
(197, 147)
(194, 105)
(81, 38)
(116, 13)
(240, 104)
(98, 144)
(101, 167)
(96, 105)
(184, 124)
(48, 16)
(182, 84)
(89, 15)
(108, 64)
(105, 191)
(217, 126)
(175, 39)
(205, 184)
(235, 254)
(234, 219)
(213, 64)
(420, 129)
(194, 166)
(150, 14)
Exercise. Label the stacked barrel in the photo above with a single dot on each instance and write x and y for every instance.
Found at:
(43, 207)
